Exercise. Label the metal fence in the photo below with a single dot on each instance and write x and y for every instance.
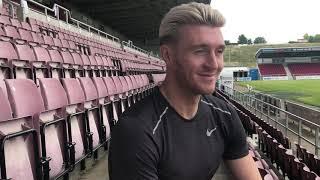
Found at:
(297, 129)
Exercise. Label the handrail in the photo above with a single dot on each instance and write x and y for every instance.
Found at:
(249, 100)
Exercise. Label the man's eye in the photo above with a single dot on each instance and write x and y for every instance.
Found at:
(220, 51)
(201, 51)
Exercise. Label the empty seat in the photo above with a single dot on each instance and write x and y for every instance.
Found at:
(68, 64)
(77, 135)
(27, 36)
(87, 67)
(7, 53)
(106, 107)
(26, 59)
(53, 128)
(120, 93)
(56, 64)
(16, 23)
(19, 135)
(5, 20)
(113, 97)
(98, 71)
(78, 64)
(38, 38)
(94, 124)
(26, 26)
(12, 32)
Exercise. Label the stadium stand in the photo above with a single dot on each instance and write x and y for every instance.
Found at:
(61, 92)
(272, 70)
(304, 69)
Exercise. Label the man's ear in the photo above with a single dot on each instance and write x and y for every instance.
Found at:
(166, 53)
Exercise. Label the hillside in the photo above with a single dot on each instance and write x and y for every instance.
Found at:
(244, 55)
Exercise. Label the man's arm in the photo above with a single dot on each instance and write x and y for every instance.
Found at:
(244, 168)
(236, 153)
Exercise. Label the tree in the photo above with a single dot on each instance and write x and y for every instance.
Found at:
(227, 42)
(249, 41)
(310, 39)
(317, 38)
(242, 39)
(259, 40)
(306, 36)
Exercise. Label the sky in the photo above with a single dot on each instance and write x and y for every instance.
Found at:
(279, 21)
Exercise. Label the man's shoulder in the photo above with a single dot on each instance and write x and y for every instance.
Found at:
(217, 103)
(142, 114)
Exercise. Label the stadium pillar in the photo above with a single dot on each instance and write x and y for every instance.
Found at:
(317, 141)
(0, 3)
(22, 10)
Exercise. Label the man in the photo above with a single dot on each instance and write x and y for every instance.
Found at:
(181, 132)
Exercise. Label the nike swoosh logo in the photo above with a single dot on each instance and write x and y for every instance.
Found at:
(211, 131)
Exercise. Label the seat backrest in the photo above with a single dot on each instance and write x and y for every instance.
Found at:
(124, 83)
(89, 88)
(25, 52)
(77, 58)
(93, 60)
(11, 31)
(72, 45)
(134, 82)
(37, 38)
(7, 50)
(25, 35)
(53, 94)
(100, 86)
(5, 109)
(41, 54)
(111, 87)
(24, 97)
(65, 43)
(74, 91)
(57, 42)
(67, 57)
(129, 82)
(55, 55)
(15, 22)
(5, 20)
(85, 59)
(99, 60)
(26, 26)
(118, 84)
(48, 40)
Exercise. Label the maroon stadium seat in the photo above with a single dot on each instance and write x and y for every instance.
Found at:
(53, 123)
(76, 119)
(21, 140)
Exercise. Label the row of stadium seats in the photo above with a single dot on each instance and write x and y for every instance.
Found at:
(36, 33)
(296, 69)
(45, 131)
(276, 146)
(301, 69)
(272, 70)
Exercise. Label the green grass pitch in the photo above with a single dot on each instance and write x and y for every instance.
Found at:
(303, 91)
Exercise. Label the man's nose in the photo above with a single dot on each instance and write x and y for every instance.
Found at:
(212, 62)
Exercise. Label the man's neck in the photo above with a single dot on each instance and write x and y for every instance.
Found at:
(184, 102)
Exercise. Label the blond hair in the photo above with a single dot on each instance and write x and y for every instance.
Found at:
(188, 14)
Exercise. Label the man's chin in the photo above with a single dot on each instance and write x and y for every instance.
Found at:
(206, 91)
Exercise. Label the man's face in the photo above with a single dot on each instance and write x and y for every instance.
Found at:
(197, 58)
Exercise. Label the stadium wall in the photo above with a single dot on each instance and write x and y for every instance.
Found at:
(306, 77)
(275, 78)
